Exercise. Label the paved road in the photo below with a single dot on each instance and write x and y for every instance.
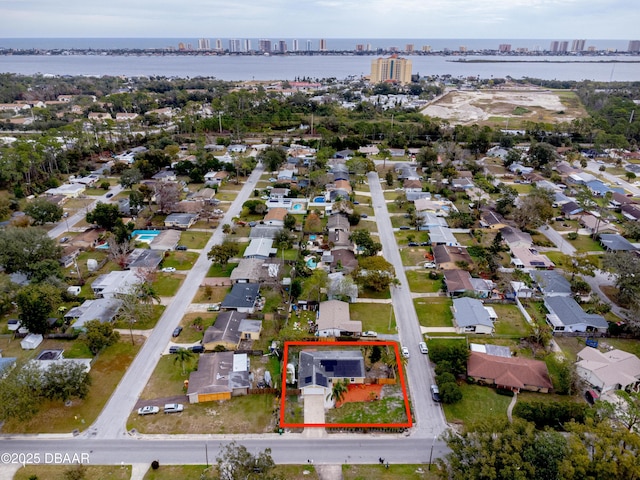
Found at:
(285, 449)
(112, 421)
(564, 245)
(615, 180)
(69, 222)
(428, 414)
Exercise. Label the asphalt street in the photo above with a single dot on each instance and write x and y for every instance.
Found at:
(112, 421)
(428, 414)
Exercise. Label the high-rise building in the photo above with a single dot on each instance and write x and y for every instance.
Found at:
(181, 46)
(219, 45)
(359, 47)
(578, 45)
(204, 44)
(294, 45)
(554, 46)
(265, 45)
(426, 48)
(392, 69)
(323, 45)
(409, 48)
(308, 46)
(504, 47)
(247, 45)
(235, 45)
(563, 47)
(634, 46)
(462, 48)
(282, 46)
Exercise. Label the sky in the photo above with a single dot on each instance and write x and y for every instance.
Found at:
(509, 19)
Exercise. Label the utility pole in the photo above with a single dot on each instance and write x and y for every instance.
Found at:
(220, 121)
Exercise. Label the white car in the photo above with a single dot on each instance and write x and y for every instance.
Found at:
(429, 265)
(169, 269)
(148, 410)
(423, 348)
(369, 333)
(405, 352)
(173, 408)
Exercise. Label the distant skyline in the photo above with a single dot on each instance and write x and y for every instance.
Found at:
(516, 19)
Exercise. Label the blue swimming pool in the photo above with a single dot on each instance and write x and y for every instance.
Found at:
(145, 236)
(311, 263)
(297, 206)
(318, 200)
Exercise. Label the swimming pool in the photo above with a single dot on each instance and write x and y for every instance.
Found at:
(318, 200)
(145, 236)
(311, 263)
(297, 206)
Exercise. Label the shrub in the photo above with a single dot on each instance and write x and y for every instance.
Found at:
(505, 392)
(572, 235)
(551, 414)
(450, 392)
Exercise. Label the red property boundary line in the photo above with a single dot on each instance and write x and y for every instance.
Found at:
(403, 384)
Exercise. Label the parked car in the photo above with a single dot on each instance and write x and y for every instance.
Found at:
(177, 331)
(169, 269)
(425, 244)
(13, 324)
(405, 227)
(413, 244)
(197, 349)
(435, 393)
(174, 349)
(423, 348)
(64, 239)
(173, 408)
(148, 410)
(109, 195)
(369, 333)
(213, 308)
(405, 352)
(363, 215)
(429, 265)
(181, 247)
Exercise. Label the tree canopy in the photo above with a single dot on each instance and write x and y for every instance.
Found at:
(24, 249)
(43, 211)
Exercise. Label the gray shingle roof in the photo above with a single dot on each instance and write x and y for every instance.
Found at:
(570, 313)
(315, 368)
(551, 282)
(470, 312)
(615, 242)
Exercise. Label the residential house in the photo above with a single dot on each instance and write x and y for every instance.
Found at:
(515, 237)
(451, 258)
(426, 220)
(67, 190)
(492, 219)
(48, 358)
(215, 178)
(278, 194)
(102, 309)
(565, 315)
(412, 186)
(165, 240)
(439, 235)
(441, 208)
(165, 176)
(264, 231)
(609, 370)
(529, 257)
(512, 373)
(125, 117)
(616, 243)
(260, 248)
(520, 169)
(407, 172)
(319, 370)
(457, 282)
(275, 217)
(334, 320)
(369, 150)
(462, 184)
(113, 284)
(255, 270)
(631, 211)
(144, 258)
(286, 176)
(522, 290)
(229, 329)
(551, 283)
(219, 376)
(571, 209)
(338, 222)
(470, 316)
(595, 225)
(99, 116)
(343, 261)
(243, 298)
(180, 220)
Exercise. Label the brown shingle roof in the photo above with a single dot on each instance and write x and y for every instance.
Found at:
(514, 372)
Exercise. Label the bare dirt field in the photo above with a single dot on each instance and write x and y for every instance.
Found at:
(512, 106)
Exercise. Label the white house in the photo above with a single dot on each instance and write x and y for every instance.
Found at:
(606, 371)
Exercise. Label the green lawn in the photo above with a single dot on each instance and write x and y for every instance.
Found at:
(398, 221)
(584, 243)
(510, 321)
(394, 472)
(413, 255)
(180, 260)
(194, 240)
(221, 270)
(60, 472)
(167, 284)
(106, 371)
(419, 281)
(368, 293)
(374, 316)
(434, 312)
(144, 323)
(389, 409)
(478, 404)
(201, 472)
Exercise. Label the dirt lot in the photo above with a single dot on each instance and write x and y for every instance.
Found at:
(496, 106)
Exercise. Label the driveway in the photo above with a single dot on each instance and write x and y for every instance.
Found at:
(563, 245)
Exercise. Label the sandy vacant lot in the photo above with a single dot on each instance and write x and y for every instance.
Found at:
(490, 106)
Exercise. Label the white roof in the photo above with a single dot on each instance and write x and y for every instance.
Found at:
(615, 367)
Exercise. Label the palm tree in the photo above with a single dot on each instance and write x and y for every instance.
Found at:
(338, 390)
(183, 355)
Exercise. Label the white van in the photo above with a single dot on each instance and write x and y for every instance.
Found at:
(173, 408)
